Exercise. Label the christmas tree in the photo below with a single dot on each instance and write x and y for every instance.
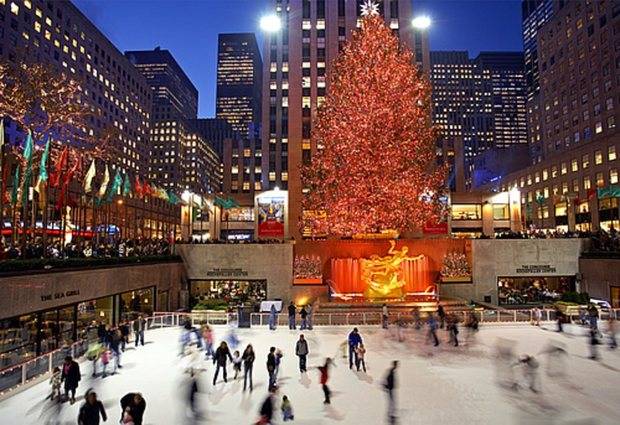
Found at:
(374, 166)
(455, 265)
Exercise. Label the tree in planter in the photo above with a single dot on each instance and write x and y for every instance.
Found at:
(455, 264)
(374, 165)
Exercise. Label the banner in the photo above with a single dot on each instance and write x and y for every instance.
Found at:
(271, 215)
(432, 227)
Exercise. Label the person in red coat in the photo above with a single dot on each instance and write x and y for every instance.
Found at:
(324, 370)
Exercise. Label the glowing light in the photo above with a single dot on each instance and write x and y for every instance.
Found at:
(370, 8)
(270, 23)
(421, 22)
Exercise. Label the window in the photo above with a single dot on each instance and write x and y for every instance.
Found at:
(598, 157)
(574, 166)
(585, 161)
(600, 180)
(537, 177)
(501, 212)
(554, 172)
(611, 153)
(563, 167)
(613, 176)
(545, 174)
(561, 210)
(586, 183)
(575, 185)
(466, 212)
(598, 127)
(564, 188)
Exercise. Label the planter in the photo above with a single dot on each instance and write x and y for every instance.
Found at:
(308, 281)
(456, 279)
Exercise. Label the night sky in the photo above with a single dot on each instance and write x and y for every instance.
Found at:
(189, 29)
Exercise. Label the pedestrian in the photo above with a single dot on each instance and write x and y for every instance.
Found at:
(124, 329)
(593, 344)
(611, 332)
(219, 359)
(71, 376)
(105, 360)
(354, 340)
(415, 315)
(304, 318)
(291, 316)
(115, 346)
(536, 316)
(91, 410)
(55, 381)
(324, 370)
(310, 313)
(559, 316)
(207, 335)
(236, 360)
(432, 329)
(273, 317)
(192, 392)
(139, 326)
(301, 350)
(287, 409)
(384, 316)
(453, 329)
(390, 387)
(593, 317)
(442, 316)
(360, 352)
(266, 409)
(133, 405)
(102, 332)
(93, 354)
(248, 358)
(271, 367)
(279, 356)
(530, 371)
(472, 326)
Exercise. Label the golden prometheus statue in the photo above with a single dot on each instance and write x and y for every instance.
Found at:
(383, 275)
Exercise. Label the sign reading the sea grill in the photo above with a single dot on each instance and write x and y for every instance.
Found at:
(536, 269)
(218, 272)
(60, 295)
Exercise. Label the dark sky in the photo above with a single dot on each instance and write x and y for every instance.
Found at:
(189, 29)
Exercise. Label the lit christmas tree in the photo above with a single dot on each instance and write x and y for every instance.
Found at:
(374, 166)
(455, 265)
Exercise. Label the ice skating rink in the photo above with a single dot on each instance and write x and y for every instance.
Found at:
(442, 385)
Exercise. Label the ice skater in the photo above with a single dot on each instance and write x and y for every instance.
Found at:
(236, 361)
(139, 326)
(529, 367)
(442, 316)
(536, 316)
(360, 351)
(390, 388)
(384, 316)
(432, 329)
(267, 408)
(133, 406)
(273, 317)
(192, 392)
(219, 359)
(301, 351)
(292, 310)
(311, 311)
(287, 409)
(594, 341)
(611, 332)
(91, 410)
(207, 335)
(55, 382)
(271, 367)
(453, 328)
(324, 371)
(304, 318)
(71, 376)
(354, 340)
(248, 358)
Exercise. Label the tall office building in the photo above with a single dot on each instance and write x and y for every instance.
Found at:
(478, 105)
(296, 63)
(239, 80)
(179, 157)
(577, 128)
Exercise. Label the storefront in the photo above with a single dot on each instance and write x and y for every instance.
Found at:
(518, 290)
(230, 291)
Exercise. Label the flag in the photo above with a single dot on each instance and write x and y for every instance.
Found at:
(28, 148)
(15, 187)
(137, 188)
(173, 198)
(126, 186)
(116, 184)
(146, 189)
(42, 179)
(90, 174)
(60, 164)
(104, 184)
(611, 191)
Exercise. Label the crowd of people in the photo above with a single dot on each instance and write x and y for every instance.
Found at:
(86, 249)
(237, 241)
(600, 240)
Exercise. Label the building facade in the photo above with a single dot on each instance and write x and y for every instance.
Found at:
(239, 81)
(180, 158)
(571, 184)
(478, 104)
(296, 64)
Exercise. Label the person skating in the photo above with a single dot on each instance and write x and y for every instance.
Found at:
(207, 335)
(530, 371)
(324, 371)
(390, 387)
(193, 390)
(453, 329)
(133, 405)
(273, 317)
(271, 367)
(593, 344)
(432, 329)
(219, 359)
(139, 326)
(384, 316)
(267, 408)
(115, 346)
(354, 340)
(304, 318)
(360, 351)
(291, 316)
(91, 410)
(310, 311)
(236, 360)
(611, 333)
(559, 318)
(287, 409)
(71, 376)
(124, 330)
(248, 358)
(593, 317)
(536, 316)
(301, 350)
(442, 316)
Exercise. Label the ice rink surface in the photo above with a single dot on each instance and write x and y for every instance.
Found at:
(436, 385)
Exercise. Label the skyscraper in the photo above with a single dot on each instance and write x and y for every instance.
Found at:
(239, 80)
(180, 158)
(478, 104)
(296, 63)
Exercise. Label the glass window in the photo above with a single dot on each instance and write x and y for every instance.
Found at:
(600, 180)
(585, 161)
(90, 313)
(554, 172)
(574, 165)
(586, 183)
(611, 153)
(466, 212)
(598, 157)
(501, 212)
(613, 176)
(564, 169)
(561, 209)
(18, 339)
(134, 303)
(545, 174)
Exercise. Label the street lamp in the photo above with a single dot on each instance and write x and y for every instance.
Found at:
(270, 23)
(421, 22)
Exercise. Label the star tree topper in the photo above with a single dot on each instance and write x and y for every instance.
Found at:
(370, 8)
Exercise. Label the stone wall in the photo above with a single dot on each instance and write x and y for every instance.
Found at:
(599, 275)
(46, 290)
(270, 262)
(494, 258)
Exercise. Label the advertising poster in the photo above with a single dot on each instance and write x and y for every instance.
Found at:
(271, 216)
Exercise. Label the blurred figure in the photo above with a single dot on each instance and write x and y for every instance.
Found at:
(593, 316)
(354, 340)
(304, 318)
(310, 313)
(556, 359)
(273, 318)
(324, 371)
(124, 330)
(287, 409)
(248, 358)
(207, 335)
(291, 316)
(71, 376)
(593, 344)
(384, 316)
(390, 387)
(133, 406)
(611, 332)
(415, 315)
(529, 367)
(442, 316)
(55, 381)
(453, 329)
(559, 316)
(91, 409)
(472, 326)
(504, 361)
(236, 361)
(536, 316)
(267, 408)
(432, 329)
(193, 390)
(360, 352)
(219, 359)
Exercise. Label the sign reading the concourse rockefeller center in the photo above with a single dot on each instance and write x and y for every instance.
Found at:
(535, 269)
(218, 272)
